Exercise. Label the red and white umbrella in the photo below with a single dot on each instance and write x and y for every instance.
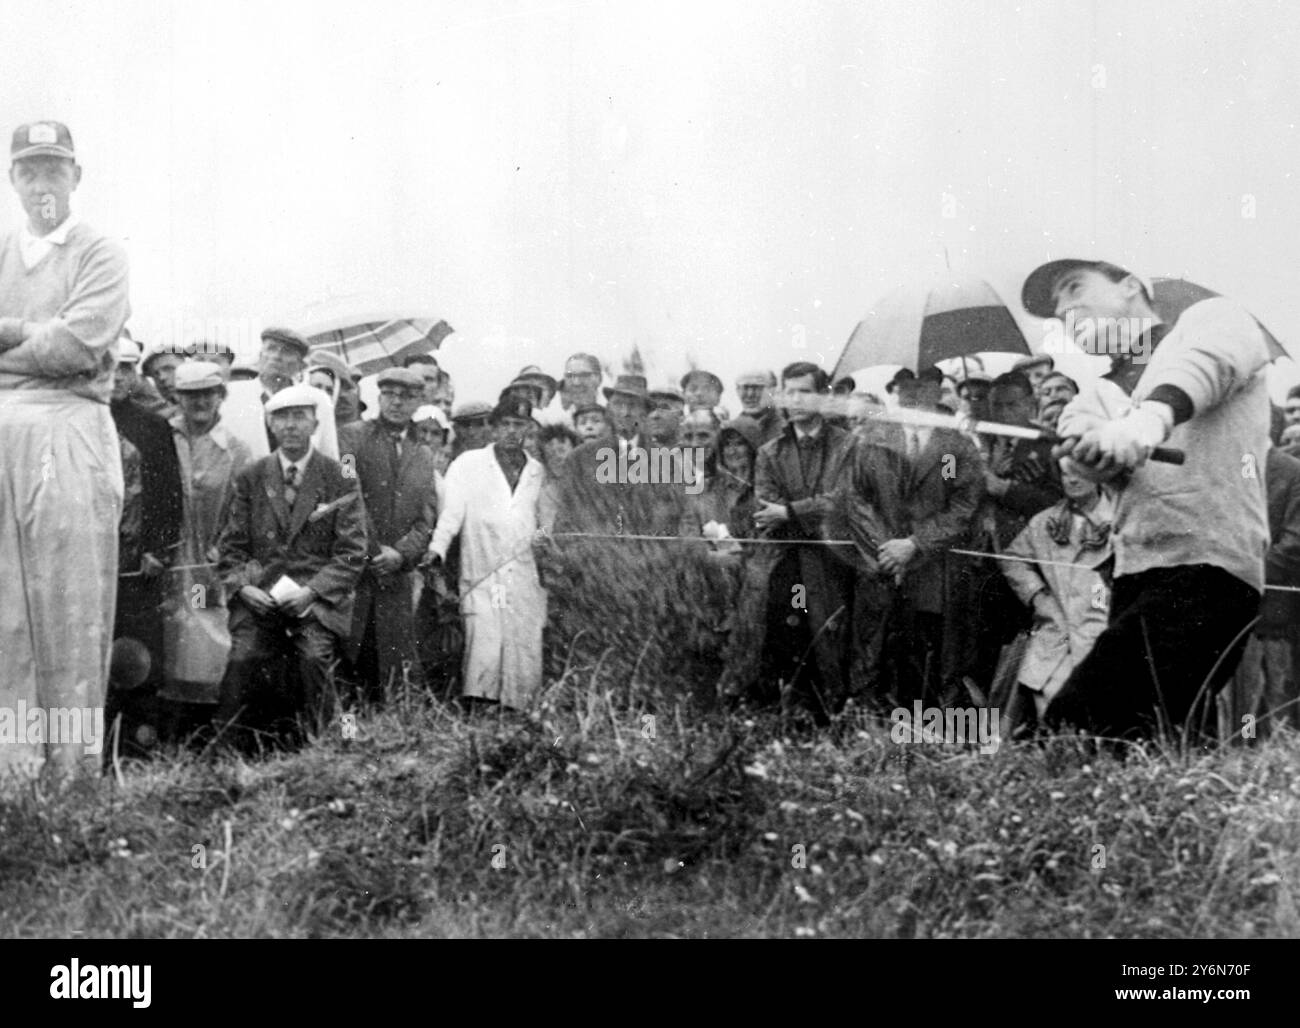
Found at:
(372, 341)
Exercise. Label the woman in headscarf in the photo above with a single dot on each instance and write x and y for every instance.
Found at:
(1051, 566)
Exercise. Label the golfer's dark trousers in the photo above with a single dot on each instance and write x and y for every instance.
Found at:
(1174, 639)
(279, 668)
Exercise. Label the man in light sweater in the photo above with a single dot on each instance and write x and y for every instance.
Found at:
(63, 302)
(1189, 540)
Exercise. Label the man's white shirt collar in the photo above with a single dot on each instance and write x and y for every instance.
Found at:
(300, 464)
(34, 247)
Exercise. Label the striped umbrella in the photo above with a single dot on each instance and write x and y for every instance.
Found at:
(1172, 296)
(372, 342)
(925, 322)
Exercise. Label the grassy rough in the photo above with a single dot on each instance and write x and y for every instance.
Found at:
(599, 817)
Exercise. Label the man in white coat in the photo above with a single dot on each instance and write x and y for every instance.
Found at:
(491, 503)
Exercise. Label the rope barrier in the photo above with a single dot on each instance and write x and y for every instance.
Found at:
(634, 537)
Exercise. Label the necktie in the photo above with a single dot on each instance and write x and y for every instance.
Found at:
(913, 444)
(291, 485)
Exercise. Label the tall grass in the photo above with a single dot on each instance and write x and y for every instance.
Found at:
(611, 811)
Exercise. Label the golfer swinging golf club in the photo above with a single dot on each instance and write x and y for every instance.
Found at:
(1189, 540)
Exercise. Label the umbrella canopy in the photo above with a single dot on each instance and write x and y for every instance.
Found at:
(371, 342)
(923, 323)
(1172, 296)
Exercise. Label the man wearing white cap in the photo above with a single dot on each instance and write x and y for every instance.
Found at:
(197, 641)
(63, 302)
(1189, 541)
(291, 552)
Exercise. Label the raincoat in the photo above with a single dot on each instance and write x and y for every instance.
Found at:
(501, 596)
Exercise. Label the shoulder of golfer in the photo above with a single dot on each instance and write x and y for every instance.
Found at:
(1214, 350)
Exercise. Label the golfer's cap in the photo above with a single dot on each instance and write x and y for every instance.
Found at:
(590, 408)
(428, 412)
(128, 350)
(288, 337)
(293, 396)
(194, 376)
(471, 411)
(1036, 294)
(41, 139)
(761, 378)
(406, 378)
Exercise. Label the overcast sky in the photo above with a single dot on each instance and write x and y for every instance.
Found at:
(711, 181)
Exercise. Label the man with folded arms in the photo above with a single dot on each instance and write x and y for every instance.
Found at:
(63, 302)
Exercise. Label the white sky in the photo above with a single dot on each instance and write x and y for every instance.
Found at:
(698, 178)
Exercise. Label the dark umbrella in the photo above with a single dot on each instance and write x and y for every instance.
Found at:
(923, 323)
(1172, 296)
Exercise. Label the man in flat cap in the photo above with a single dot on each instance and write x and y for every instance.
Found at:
(281, 363)
(63, 303)
(1189, 541)
(196, 635)
(472, 422)
(492, 507)
(292, 550)
(397, 482)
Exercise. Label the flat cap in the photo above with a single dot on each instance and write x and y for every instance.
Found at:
(193, 376)
(471, 411)
(407, 378)
(289, 337)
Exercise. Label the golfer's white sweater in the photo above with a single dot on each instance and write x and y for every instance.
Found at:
(1213, 509)
(75, 301)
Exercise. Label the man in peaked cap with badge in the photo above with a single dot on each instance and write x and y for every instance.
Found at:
(291, 552)
(1189, 540)
(63, 303)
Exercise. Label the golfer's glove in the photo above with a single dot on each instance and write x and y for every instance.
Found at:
(1129, 440)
